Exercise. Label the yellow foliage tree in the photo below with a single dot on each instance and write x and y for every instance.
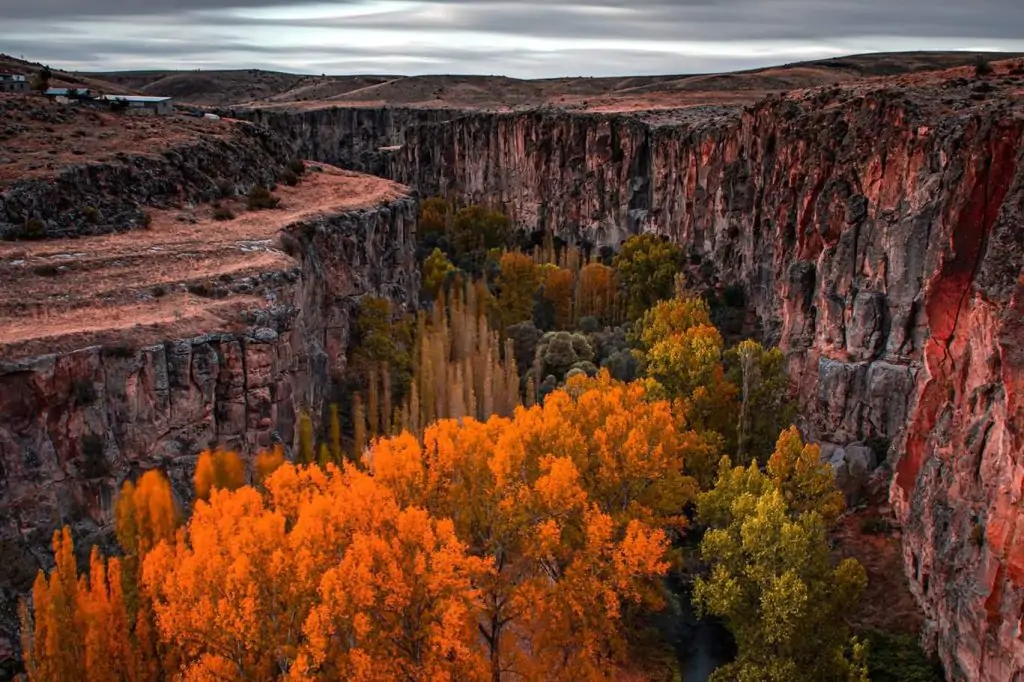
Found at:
(517, 282)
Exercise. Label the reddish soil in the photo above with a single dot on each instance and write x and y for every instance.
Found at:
(39, 137)
(170, 281)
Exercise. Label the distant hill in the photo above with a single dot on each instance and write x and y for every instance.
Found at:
(269, 88)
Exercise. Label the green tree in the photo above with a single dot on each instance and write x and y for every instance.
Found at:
(477, 228)
(765, 404)
(772, 580)
(436, 269)
(647, 267)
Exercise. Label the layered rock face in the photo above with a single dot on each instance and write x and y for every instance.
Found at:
(74, 426)
(877, 232)
(96, 198)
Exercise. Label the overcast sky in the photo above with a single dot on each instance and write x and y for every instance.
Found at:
(535, 38)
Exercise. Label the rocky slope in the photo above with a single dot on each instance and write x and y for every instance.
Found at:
(876, 230)
(72, 171)
(74, 425)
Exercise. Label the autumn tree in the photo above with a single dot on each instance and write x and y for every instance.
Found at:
(436, 272)
(435, 216)
(772, 580)
(218, 468)
(307, 439)
(145, 513)
(557, 293)
(765, 404)
(516, 286)
(476, 228)
(646, 266)
(597, 293)
(571, 501)
(81, 627)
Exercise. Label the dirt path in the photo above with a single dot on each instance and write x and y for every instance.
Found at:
(171, 280)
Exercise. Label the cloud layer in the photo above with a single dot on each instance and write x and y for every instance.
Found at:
(525, 39)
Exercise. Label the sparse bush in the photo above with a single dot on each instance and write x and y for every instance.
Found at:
(48, 270)
(874, 525)
(201, 289)
(289, 178)
(147, 221)
(290, 245)
(897, 657)
(589, 325)
(83, 391)
(223, 213)
(260, 198)
(226, 189)
(120, 350)
(298, 166)
(978, 534)
(30, 230)
(92, 214)
(94, 464)
(982, 67)
(159, 291)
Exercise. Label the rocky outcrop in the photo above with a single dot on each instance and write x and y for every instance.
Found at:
(74, 426)
(876, 231)
(97, 197)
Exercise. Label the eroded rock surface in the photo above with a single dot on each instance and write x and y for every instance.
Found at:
(877, 231)
(73, 426)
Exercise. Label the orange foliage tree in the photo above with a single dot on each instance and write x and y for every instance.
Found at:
(218, 469)
(515, 547)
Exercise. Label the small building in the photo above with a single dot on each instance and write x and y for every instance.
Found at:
(68, 95)
(13, 82)
(157, 105)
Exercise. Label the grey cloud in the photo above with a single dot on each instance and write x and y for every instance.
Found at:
(642, 36)
(660, 19)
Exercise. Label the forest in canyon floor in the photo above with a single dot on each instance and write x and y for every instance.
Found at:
(516, 482)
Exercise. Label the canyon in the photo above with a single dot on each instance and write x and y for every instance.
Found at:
(873, 224)
(876, 231)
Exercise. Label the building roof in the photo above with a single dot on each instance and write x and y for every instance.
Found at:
(133, 98)
(63, 92)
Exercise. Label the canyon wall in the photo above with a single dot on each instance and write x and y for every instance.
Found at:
(74, 426)
(877, 233)
(101, 197)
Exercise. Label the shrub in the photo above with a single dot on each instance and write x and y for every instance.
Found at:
(223, 213)
(982, 67)
(260, 198)
(92, 214)
(159, 291)
(874, 525)
(201, 289)
(298, 166)
(290, 178)
(978, 534)
(120, 350)
(895, 657)
(94, 464)
(290, 245)
(226, 189)
(47, 270)
(30, 230)
(83, 391)
(147, 221)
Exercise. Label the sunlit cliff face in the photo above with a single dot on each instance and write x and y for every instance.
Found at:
(519, 39)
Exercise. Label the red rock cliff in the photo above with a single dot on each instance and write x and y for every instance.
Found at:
(878, 232)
